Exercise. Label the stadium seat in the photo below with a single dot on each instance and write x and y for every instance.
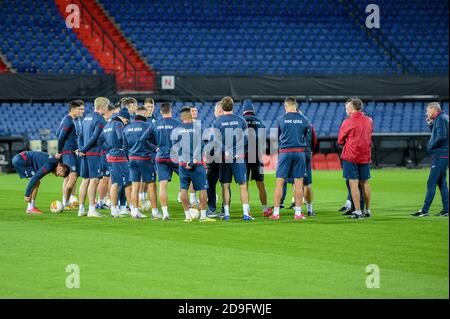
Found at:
(333, 161)
(319, 162)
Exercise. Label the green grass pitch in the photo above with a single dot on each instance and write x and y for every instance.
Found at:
(324, 257)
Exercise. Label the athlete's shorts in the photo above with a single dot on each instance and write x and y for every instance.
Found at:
(120, 173)
(307, 180)
(197, 176)
(71, 160)
(229, 170)
(356, 171)
(23, 167)
(165, 170)
(106, 172)
(91, 166)
(142, 171)
(255, 171)
(291, 164)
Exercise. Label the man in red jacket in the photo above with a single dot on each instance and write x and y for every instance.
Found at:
(355, 135)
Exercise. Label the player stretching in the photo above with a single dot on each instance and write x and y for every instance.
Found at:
(355, 134)
(192, 171)
(438, 149)
(112, 141)
(255, 144)
(160, 133)
(91, 163)
(230, 130)
(293, 130)
(142, 167)
(67, 145)
(34, 166)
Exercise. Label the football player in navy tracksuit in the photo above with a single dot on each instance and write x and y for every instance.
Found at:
(34, 166)
(192, 194)
(131, 104)
(311, 142)
(256, 134)
(149, 104)
(142, 166)
(438, 149)
(67, 145)
(293, 131)
(105, 182)
(91, 153)
(112, 140)
(212, 169)
(160, 133)
(187, 139)
(231, 129)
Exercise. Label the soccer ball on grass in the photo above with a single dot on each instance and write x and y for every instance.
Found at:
(56, 206)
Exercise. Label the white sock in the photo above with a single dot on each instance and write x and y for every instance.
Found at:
(192, 198)
(348, 204)
(276, 211)
(123, 207)
(91, 208)
(81, 208)
(357, 212)
(113, 210)
(246, 208)
(298, 210)
(135, 211)
(101, 202)
(187, 214)
(309, 207)
(165, 211)
(64, 201)
(33, 203)
(30, 205)
(264, 207)
(155, 211)
(202, 213)
(226, 210)
(367, 211)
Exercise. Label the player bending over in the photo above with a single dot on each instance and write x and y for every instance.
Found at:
(191, 167)
(34, 166)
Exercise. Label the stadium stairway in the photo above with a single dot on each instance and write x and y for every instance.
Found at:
(109, 47)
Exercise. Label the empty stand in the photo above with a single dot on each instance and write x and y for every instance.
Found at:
(35, 39)
(107, 44)
(249, 38)
(388, 117)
